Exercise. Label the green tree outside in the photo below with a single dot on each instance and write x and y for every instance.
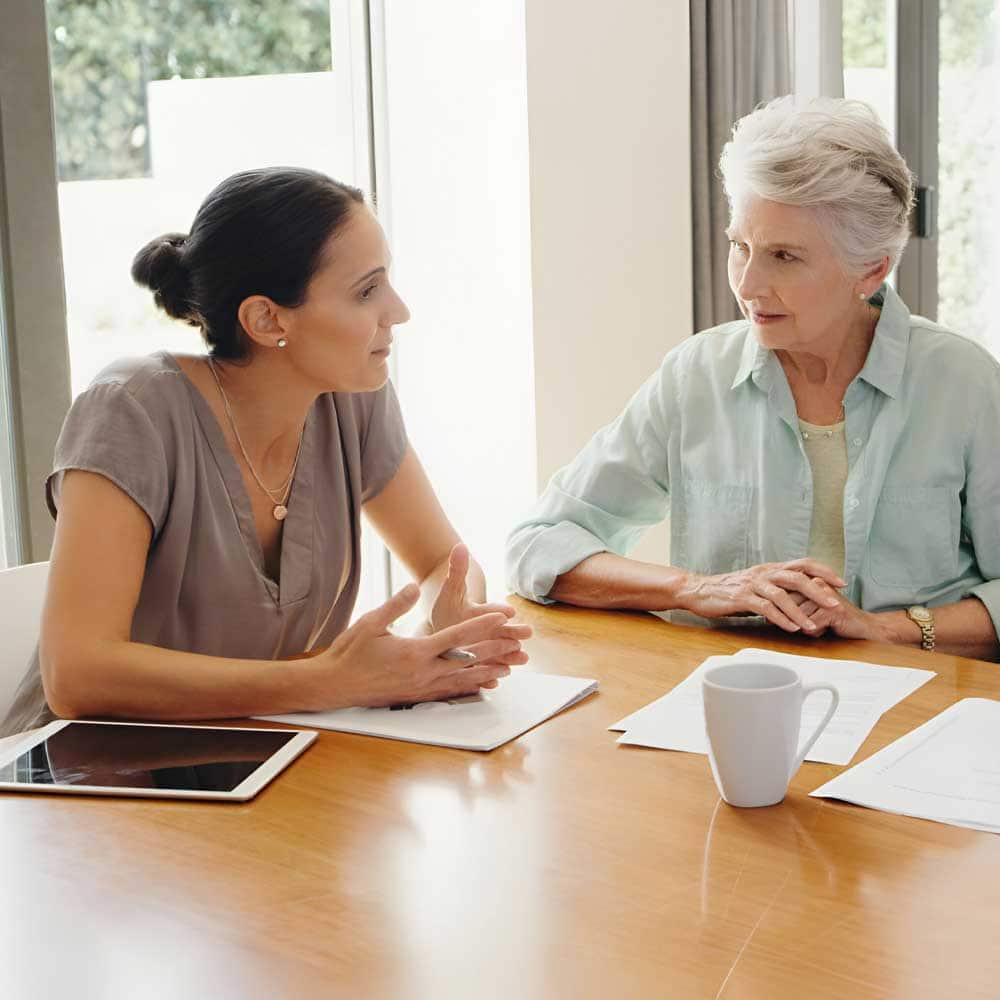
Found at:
(865, 34)
(104, 52)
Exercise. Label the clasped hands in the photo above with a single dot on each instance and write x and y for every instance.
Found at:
(798, 596)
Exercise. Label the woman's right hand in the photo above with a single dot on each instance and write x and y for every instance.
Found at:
(367, 665)
(774, 590)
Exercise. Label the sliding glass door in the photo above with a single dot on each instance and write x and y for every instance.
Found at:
(932, 70)
(147, 106)
(154, 105)
(968, 144)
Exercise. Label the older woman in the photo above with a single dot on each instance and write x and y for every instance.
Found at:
(829, 461)
(206, 556)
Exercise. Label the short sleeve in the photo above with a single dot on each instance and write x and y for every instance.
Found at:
(107, 431)
(383, 443)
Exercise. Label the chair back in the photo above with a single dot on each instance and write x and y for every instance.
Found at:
(22, 591)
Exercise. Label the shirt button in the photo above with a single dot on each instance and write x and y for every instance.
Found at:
(856, 442)
(853, 503)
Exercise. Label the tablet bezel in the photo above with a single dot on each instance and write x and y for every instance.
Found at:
(243, 792)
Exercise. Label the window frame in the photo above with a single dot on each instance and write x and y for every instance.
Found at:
(34, 354)
(917, 54)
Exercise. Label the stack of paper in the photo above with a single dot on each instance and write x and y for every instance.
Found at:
(947, 770)
(480, 722)
(677, 720)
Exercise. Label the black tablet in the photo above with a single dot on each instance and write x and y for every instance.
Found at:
(149, 760)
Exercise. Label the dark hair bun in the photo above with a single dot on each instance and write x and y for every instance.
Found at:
(160, 266)
(260, 232)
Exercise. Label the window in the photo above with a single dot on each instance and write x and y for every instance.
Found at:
(869, 56)
(969, 168)
(153, 103)
(931, 70)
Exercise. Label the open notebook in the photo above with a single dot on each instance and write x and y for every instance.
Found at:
(480, 722)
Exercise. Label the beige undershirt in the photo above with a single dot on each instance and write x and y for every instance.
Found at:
(827, 451)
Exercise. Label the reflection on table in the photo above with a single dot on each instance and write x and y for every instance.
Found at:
(560, 865)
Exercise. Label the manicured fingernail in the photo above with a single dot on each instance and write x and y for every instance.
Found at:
(832, 602)
(811, 626)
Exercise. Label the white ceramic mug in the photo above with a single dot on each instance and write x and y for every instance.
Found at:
(753, 714)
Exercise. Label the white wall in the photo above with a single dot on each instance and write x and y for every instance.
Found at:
(538, 170)
(609, 126)
(201, 131)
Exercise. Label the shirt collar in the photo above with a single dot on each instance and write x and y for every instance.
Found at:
(883, 368)
(752, 360)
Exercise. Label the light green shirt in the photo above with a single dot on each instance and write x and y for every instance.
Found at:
(713, 439)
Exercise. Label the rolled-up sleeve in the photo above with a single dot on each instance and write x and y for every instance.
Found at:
(981, 513)
(616, 488)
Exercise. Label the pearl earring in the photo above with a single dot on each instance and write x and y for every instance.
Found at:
(862, 296)
(282, 342)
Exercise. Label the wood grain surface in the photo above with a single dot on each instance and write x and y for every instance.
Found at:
(558, 866)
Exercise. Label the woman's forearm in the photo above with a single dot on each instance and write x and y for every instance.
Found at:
(963, 629)
(606, 580)
(120, 679)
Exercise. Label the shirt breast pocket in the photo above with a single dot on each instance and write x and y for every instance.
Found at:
(915, 536)
(715, 535)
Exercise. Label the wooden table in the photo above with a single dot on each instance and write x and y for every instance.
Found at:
(558, 866)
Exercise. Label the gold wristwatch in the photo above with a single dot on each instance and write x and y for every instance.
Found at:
(922, 616)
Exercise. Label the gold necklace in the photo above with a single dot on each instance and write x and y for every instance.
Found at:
(278, 497)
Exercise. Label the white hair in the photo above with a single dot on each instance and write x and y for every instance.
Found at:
(830, 154)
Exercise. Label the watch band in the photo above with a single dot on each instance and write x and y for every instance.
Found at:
(923, 617)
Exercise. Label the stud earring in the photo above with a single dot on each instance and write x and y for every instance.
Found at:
(282, 342)
(862, 296)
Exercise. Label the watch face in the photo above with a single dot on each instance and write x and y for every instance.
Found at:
(920, 614)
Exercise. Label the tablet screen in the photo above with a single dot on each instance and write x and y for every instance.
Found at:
(175, 758)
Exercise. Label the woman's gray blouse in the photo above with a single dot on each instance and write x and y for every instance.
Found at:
(144, 425)
(713, 439)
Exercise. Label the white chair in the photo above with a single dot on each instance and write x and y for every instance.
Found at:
(22, 591)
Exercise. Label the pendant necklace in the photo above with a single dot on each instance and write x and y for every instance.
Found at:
(278, 497)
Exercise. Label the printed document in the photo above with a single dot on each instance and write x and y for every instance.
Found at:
(947, 770)
(867, 690)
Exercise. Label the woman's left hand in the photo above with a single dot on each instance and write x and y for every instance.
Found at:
(848, 621)
(453, 606)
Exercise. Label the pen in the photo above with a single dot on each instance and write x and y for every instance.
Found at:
(461, 655)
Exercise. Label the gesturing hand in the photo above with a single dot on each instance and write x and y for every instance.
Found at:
(453, 606)
(369, 666)
(773, 590)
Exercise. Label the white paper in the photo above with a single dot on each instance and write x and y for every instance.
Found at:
(867, 690)
(947, 770)
(481, 722)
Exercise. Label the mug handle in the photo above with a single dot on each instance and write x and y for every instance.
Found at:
(808, 689)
